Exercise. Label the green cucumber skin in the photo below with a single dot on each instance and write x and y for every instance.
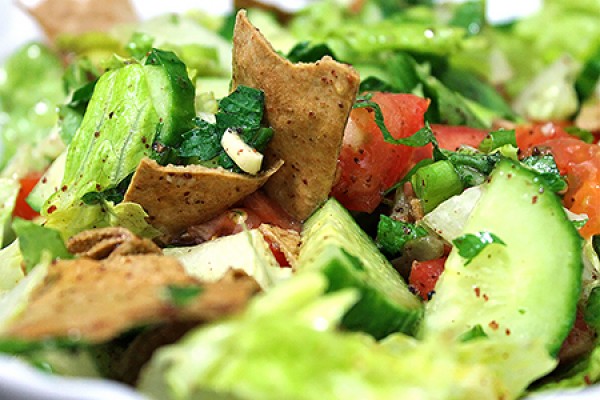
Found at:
(529, 288)
(172, 93)
(343, 271)
(335, 245)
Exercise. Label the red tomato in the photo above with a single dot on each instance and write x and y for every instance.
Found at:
(367, 164)
(269, 212)
(278, 253)
(424, 276)
(580, 161)
(27, 183)
(531, 135)
(450, 138)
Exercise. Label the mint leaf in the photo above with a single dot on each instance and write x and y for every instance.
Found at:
(181, 296)
(470, 245)
(242, 111)
(420, 138)
(305, 52)
(547, 171)
(392, 235)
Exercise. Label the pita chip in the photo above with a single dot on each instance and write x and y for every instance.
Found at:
(307, 105)
(78, 16)
(99, 300)
(176, 197)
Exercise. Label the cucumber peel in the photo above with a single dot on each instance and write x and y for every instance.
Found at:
(334, 244)
(526, 289)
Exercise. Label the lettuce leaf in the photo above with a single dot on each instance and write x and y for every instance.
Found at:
(81, 216)
(285, 346)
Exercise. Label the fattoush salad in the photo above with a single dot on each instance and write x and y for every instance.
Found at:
(363, 199)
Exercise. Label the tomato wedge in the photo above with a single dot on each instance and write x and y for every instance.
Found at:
(580, 161)
(424, 276)
(22, 209)
(530, 135)
(367, 164)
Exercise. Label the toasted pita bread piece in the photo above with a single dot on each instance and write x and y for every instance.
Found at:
(307, 105)
(98, 300)
(78, 16)
(177, 197)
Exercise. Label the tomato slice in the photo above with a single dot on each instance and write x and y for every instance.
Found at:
(424, 276)
(22, 209)
(530, 135)
(580, 161)
(450, 138)
(269, 212)
(367, 164)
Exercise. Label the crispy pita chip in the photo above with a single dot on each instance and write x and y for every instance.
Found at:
(78, 16)
(176, 197)
(98, 300)
(307, 105)
(282, 15)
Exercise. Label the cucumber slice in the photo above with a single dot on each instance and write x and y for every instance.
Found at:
(333, 243)
(529, 287)
(172, 95)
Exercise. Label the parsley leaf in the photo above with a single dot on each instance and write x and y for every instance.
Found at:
(242, 111)
(392, 235)
(547, 171)
(470, 245)
(181, 296)
(420, 138)
(304, 52)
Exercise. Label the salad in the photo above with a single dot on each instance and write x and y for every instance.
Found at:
(366, 199)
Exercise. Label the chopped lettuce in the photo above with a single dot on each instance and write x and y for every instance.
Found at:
(14, 301)
(284, 346)
(81, 216)
(9, 189)
(35, 241)
(129, 107)
(11, 271)
(30, 90)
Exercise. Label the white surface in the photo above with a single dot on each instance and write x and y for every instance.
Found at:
(19, 382)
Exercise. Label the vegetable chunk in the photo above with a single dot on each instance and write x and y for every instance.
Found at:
(307, 105)
(176, 197)
(97, 300)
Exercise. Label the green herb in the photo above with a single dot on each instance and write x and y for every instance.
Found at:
(304, 52)
(242, 111)
(579, 223)
(547, 171)
(472, 166)
(580, 133)
(35, 240)
(470, 245)
(392, 235)
(420, 138)
(181, 296)
(114, 194)
(473, 333)
(21, 346)
(588, 77)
